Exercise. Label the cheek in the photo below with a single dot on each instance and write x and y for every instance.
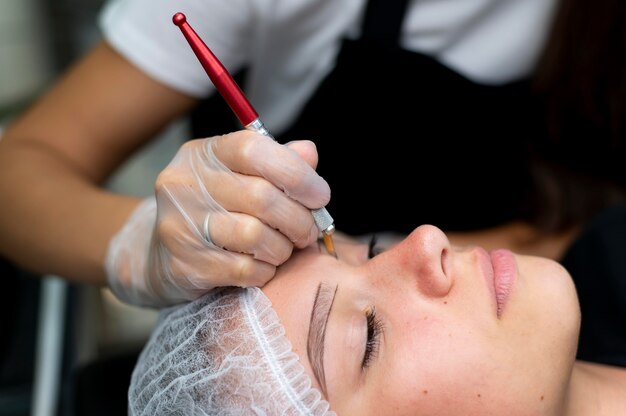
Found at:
(442, 369)
(552, 297)
(450, 365)
(546, 322)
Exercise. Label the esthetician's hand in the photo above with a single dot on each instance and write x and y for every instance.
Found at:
(228, 210)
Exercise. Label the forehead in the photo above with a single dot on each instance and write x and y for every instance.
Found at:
(299, 276)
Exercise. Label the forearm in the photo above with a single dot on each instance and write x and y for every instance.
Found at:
(53, 219)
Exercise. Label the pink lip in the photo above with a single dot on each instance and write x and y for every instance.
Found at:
(504, 276)
(487, 268)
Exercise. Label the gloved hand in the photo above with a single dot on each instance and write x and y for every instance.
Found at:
(227, 211)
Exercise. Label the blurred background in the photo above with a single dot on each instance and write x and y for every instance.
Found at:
(66, 349)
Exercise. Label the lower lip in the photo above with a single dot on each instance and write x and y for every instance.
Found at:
(505, 273)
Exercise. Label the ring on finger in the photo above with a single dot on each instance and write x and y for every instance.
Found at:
(205, 230)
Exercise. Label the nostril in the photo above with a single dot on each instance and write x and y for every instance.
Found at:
(444, 261)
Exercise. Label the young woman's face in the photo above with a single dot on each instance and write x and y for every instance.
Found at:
(424, 328)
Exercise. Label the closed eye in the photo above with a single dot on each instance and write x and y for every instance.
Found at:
(372, 343)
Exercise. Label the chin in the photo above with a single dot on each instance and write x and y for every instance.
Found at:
(553, 295)
(546, 309)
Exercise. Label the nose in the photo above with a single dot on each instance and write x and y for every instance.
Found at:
(425, 257)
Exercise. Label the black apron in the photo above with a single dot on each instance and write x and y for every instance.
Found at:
(404, 140)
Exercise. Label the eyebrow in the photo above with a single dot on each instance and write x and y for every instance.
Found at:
(320, 313)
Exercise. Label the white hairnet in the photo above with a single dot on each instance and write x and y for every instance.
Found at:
(225, 353)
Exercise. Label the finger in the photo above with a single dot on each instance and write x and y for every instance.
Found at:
(218, 269)
(306, 149)
(258, 198)
(226, 269)
(190, 187)
(253, 154)
(214, 227)
(194, 267)
(245, 234)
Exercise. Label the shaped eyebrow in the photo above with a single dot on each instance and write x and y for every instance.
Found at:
(320, 313)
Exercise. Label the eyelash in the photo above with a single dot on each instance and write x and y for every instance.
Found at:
(374, 329)
(373, 250)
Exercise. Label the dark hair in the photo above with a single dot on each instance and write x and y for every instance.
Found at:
(580, 87)
(582, 74)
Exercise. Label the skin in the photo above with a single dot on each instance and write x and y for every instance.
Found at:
(444, 349)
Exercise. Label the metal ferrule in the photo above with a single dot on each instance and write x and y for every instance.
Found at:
(258, 126)
(323, 220)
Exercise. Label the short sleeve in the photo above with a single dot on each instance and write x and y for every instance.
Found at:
(143, 32)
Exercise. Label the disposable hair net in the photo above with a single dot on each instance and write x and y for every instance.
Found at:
(225, 353)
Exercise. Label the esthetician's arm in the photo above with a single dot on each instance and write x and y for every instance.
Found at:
(230, 209)
(54, 217)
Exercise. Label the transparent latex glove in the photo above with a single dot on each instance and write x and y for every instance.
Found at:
(227, 211)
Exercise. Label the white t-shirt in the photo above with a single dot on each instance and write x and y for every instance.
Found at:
(290, 45)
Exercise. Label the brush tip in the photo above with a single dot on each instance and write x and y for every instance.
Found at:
(329, 244)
